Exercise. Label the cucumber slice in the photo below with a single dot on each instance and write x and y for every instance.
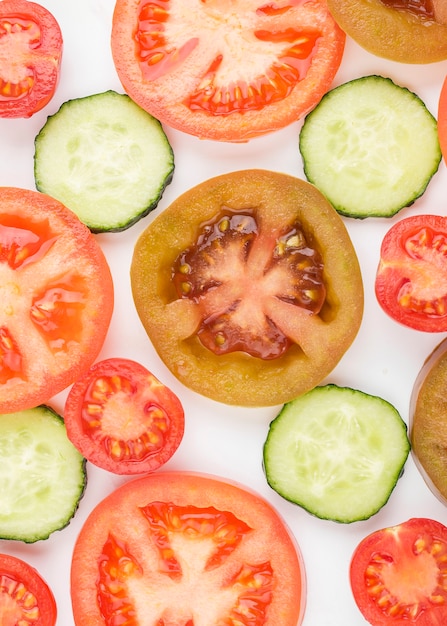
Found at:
(104, 158)
(336, 452)
(42, 475)
(370, 146)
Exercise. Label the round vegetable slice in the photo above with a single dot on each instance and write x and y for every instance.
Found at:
(397, 574)
(30, 57)
(370, 146)
(121, 418)
(410, 282)
(406, 31)
(227, 72)
(428, 411)
(72, 160)
(442, 119)
(249, 287)
(337, 452)
(186, 548)
(25, 598)
(42, 475)
(57, 298)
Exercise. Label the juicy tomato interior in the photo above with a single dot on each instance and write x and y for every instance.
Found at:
(187, 549)
(232, 271)
(397, 574)
(25, 597)
(410, 282)
(122, 418)
(421, 8)
(31, 37)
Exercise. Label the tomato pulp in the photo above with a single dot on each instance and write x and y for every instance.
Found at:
(411, 283)
(25, 598)
(398, 574)
(186, 548)
(56, 298)
(406, 31)
(30, 57)
(224, 70)
(121, 418)
(249, 287)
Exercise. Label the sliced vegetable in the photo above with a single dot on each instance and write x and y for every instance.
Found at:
(184, 548)
(410, 282)
(407, 31)
(442, 119)
(30, 57)
(121, 418)
(42, 475)
(371, 147)
(223, 71)
(337, 452)
(105, 159)
(397, 574)
(428, 421)
(25, 598)
(249, 287)
(57, 298)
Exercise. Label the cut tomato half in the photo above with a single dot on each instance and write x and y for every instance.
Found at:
(121, 418)
(397, 574)
(249, 287)
(25, 598)
(223, 70)
(185, 548)
(411, 283)
(30, 57)
(56, 298)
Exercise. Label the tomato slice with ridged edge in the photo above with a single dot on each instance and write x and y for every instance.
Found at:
(410, 282)
(397, 574)
(25, 598)
(122, 418)
(30, 57)
(223, 70)
(56, 298)
(186, 548)
(249, 287)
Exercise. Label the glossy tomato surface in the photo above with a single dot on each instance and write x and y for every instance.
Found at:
(25, 598)
(184, 548)
(57, 298)
(122, 418)
(249, 287)
(30, 57)
(407, 31)
(442, 119)
(411, 277)
(398, 574)
(226, 71)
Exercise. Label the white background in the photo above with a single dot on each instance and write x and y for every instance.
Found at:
(227, 441)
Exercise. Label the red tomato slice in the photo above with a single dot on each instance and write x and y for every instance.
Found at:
(30, 57)
(121, 418)
(442, 119)
(226, 71)
(397, 574)
(185, 548)
(25, 597)
(411, 283)
(56, 298)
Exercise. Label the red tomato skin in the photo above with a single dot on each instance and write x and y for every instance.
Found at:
(48, 372)
(442, 119)
(269, 539)
(396, 544)
(164, 96)
(146, 390)
(22, 572)
(44, 59)
(396, 268)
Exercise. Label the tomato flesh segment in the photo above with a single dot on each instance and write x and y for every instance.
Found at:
(421, 8)
(17, 37)
(10, 358)
(199, 534)
(19, 604)
(231, 271)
